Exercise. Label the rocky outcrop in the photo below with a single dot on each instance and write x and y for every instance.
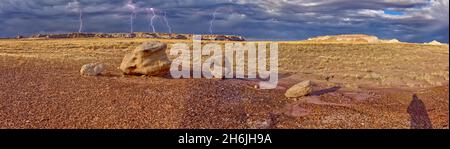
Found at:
(346, 38)
(139, 35)
(391, 41)
(148, 59)
(180, 37)
(38, 36)
(358, 38)
(222, 38)
(301, 89)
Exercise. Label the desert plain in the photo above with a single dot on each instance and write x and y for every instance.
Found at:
(356, 85)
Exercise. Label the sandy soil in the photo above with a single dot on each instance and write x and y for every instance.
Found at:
(41, 87)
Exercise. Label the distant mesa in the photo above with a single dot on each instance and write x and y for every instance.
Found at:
(139, 35)
(392, 41)
(344, 38)
(362, 38)
(435, 43)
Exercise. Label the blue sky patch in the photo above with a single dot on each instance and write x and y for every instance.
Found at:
(257, 20)
(395, 13)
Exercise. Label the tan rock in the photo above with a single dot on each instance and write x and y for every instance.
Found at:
(149, 58)
(301, 89)
(92, 69)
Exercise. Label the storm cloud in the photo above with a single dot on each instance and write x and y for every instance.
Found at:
(406, 20)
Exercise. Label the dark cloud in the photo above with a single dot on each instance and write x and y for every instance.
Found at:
(418, 20)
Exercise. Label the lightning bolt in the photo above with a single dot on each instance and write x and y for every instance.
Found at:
(132, 7)
(131, 22)
(211, 23)
(77, 6)
(214, 15)
(152, 19)
(153, 14)
(167, 22)
(80, 18)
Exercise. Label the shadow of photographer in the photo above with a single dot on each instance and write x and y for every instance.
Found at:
(419, 115)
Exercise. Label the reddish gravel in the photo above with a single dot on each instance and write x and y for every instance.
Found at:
(36, 93)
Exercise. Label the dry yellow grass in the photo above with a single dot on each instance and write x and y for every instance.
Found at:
(351, 65)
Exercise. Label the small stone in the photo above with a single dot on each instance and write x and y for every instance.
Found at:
(259, 124)
(92, 69)
(299, 90)
(245, 99)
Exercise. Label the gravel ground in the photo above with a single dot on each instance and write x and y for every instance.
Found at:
(37, 93)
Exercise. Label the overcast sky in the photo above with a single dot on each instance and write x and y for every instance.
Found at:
(406, 20)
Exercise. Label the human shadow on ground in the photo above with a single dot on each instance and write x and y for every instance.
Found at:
(419, 114)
